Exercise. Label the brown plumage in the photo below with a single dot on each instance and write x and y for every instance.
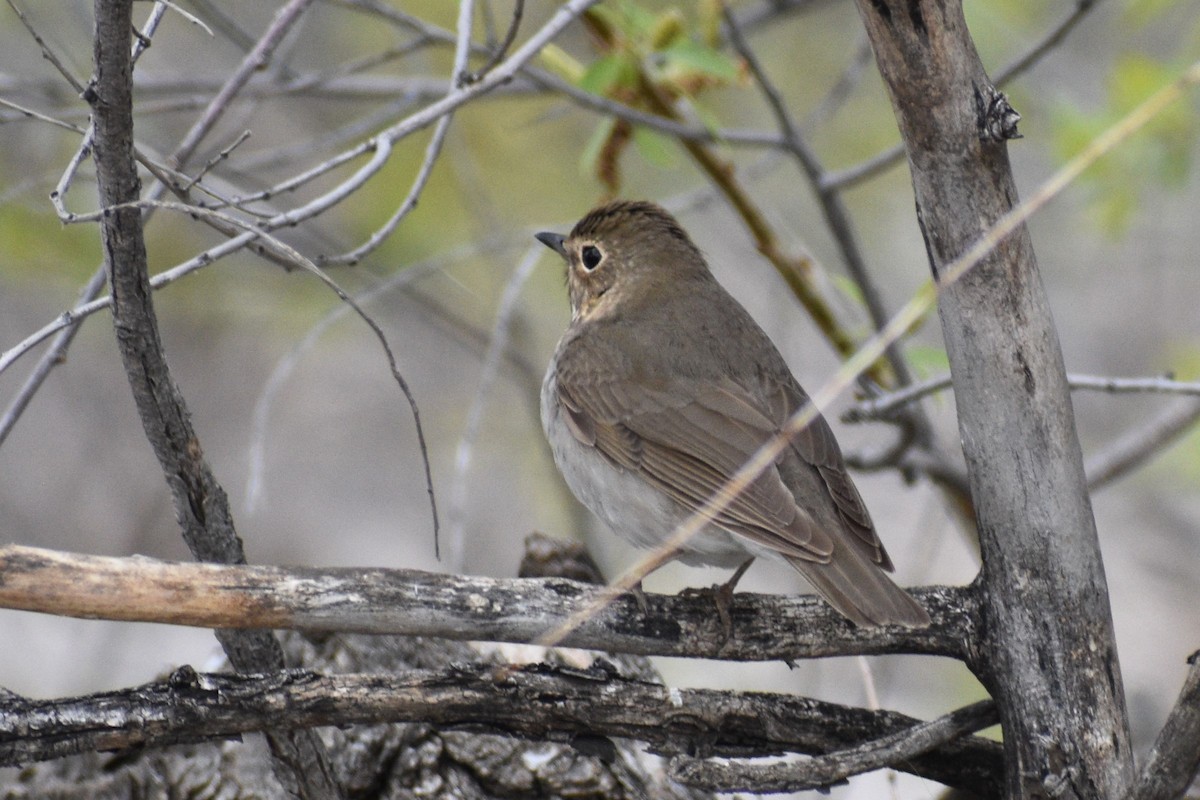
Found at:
(663, 387)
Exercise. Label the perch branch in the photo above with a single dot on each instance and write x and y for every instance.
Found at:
(414, 603)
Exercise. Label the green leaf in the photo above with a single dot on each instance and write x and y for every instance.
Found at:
(849, 289)
(686, 58)
(607, 73)
(595, 146)
(657, 149)
(638, 21)
(927, 361)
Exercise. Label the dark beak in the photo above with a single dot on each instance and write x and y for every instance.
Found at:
(554, 241)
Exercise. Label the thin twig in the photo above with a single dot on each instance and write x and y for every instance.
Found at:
(285, 18)
(53, 356)
(256, 459)
(820, 772)
(885, 405)
(47, 52)
(510, 36)
(217, 159)
(462, 52)
(832, 208)
(1138, 445)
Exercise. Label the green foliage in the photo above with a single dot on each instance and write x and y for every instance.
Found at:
(1161, 152)
(644, 53)
(35, 246)
(1181, 463)
(927, 361)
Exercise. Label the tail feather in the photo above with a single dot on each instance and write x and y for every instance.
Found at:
(859, 590)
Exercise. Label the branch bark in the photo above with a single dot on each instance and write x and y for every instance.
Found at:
(201, 507)
(549, 703)
(1049, 656)
(414, 603)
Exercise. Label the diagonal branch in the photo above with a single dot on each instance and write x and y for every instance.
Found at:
(1175, 758)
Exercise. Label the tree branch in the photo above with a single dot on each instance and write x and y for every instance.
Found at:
(1175, 758)
(414, 603)
(825, 771)
(538, 701)
(201, 506)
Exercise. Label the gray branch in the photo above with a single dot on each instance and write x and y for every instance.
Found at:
(1048, 655)
(585, 706)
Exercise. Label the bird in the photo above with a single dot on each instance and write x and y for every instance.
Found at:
(663, 386)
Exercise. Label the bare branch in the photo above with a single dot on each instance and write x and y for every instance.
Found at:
(885, 405)
(1175, 757)
(53, 356)
(201, 506)
(414, 603)
(47, 53)
(822, 772)
(285, 18)
(538, 701)
(510, 36)
(1138, 445)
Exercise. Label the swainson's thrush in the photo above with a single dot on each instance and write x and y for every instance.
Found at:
(663, 387)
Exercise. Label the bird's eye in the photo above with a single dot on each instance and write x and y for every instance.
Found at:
(592, 257)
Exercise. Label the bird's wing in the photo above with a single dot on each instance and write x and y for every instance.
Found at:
(689, 438)
(816, 446)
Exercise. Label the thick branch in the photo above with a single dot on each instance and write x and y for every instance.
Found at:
(539, 701)
(414, 603)
(201, 506)
(1049, 656)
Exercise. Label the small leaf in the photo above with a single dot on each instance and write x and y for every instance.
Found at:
(687, 56)
(606, 74)
(657, 149)
(590, 156)
(851, 290)
(927, 361)
(668, 29)
(561, 63)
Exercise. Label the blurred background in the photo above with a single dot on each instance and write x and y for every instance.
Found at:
(309, 434)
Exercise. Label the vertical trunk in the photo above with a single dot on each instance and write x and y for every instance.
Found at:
(1048, 654)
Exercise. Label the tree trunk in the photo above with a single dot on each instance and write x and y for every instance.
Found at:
(1047, 655)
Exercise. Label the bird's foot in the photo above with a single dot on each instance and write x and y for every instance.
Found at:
(722, 596)
(639, 597)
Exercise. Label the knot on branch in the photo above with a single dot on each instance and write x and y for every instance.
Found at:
(997, 119)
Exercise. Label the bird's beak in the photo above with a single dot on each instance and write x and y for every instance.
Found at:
(554, 241)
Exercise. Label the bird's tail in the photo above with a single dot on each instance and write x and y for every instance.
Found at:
(861, 591)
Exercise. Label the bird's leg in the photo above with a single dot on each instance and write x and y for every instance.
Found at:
(722, 595)
(723, 598)
(639, 597)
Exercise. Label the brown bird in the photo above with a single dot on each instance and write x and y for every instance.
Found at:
(663, 386)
